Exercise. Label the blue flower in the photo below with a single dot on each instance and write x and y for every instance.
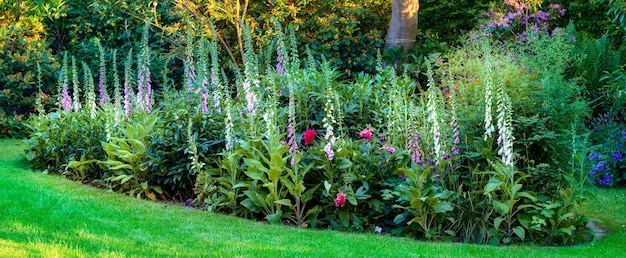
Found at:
(599, 167)
(606, 180)
(617, 156)
(594, 155)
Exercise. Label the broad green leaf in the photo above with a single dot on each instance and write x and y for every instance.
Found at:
(567, 230)
(250, 205)
(528, 195)
(493, 184)
(351, 200)
(274, 218)
(520, 232)
(122, 166)
(273, 174)
(417, 203)
(344, 163)
(442, 207)
(255, 163)
(327, 186)
(127, 178)
(501, 207)
(276, 162)
(399, 218)
(515, 189)
(497, 221)
(566, 216)
(256, 175)
(285, 202)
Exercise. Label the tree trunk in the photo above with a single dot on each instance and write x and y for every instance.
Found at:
(403, 26)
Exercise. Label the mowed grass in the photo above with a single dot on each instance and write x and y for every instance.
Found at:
(50, 216)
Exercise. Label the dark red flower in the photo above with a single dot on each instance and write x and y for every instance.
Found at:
(309, 136)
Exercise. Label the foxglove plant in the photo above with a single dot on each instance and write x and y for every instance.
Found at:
(216, 83)
(102, 85)
(433, 118)
(413, 147)
(128, 78)
(76, 106)
(203, 74)
(489, 128)
(505, 128)
(144, 89)
(117, 105)
(64, 97)
(293, 142)
(228, 122)
(188, 64)
(329, 120)
(251, 82)
(90, 95)
(454, 121)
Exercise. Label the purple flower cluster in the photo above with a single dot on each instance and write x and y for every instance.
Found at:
(599, 167)
(516, 17)
(66, 101)
(414, 148)
(606, 180)
(610, 167)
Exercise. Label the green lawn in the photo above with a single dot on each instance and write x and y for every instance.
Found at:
(50, 216)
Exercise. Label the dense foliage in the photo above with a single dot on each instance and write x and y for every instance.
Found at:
(490, 141)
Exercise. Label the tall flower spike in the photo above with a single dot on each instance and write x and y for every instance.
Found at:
(188, 64)
(432, 107)
(102, 85)
(505, 137)
(76, 106)
(489, 128)
(128, 78)
(63, 96)
(216, 84)
(293, 142)
(117, 94)
(90, 95)
(454, 121)
(329, 120)
(144, 89)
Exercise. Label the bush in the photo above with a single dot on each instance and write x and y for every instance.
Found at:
(23, 46)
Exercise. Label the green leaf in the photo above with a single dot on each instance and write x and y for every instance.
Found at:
(256, 175)
(327, 186)
(126, 178)
(442, 207)
(255, 163)
(493, 184)
(501, 207)
(497, 221)
(344, 163)
(273, 174)
(274, 218)
(567, 230)
(285, 202)
(520, 232)
(515, 189)
(566, 216)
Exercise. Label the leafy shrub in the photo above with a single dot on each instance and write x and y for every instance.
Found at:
(23, 45)
(61, 137)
